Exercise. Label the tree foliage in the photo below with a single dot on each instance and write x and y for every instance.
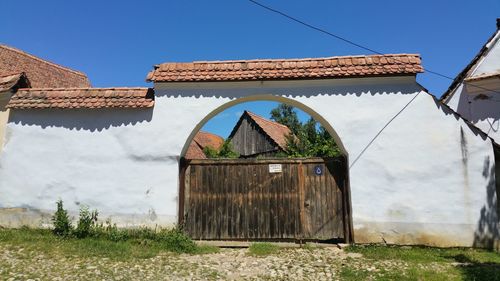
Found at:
(307, 140)
(285, 114)
(225, 151)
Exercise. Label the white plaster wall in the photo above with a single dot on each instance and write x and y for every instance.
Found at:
(4, 115)
(424, 180)
(484, 113)
(490, 63)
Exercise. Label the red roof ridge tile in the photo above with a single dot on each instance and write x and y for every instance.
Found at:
(272, 69)
(62, 98)
(277, 134)
(43, 60)
(84, 89)
(265, 119)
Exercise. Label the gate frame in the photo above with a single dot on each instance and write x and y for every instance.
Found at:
(346, 197)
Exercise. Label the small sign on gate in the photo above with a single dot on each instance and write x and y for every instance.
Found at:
(318, 170)
(275, 168)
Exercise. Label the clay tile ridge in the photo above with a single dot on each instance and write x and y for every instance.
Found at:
(276, 131)
(281, 69)
(67, 98)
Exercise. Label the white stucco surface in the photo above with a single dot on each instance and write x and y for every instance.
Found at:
(428, 178)
(4, 115)
(484, 111)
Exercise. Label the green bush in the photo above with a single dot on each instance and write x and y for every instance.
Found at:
(211, 152)
(61, 222)
(225, 151)
(176, 240)
(87, 223)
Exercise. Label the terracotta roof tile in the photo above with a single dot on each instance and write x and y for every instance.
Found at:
(287, 69)
(276, 131)
(41, 73)
(200, 141)
(195, 152)
(208, 139)
(15, 80)
(82, 98)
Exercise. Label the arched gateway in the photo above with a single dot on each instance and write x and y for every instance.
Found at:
(266, 199)
(418, 173)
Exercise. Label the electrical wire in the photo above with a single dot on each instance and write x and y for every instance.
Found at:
(369, 50)
(354, 43)
(381, 130)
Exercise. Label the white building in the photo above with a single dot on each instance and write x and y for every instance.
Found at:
(419, 173)
(475, 92)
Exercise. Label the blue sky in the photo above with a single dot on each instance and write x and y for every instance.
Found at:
(117, 42)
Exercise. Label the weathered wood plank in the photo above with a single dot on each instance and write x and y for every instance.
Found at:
(247, 193)
(187, 192)
(196, 181)
(330, 191)
(245, 201)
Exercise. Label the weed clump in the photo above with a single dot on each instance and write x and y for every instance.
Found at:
(176, 240)
(170, 239)
(87, 223)
(61, 221)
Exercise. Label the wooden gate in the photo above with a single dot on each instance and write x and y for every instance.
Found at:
(268, 199)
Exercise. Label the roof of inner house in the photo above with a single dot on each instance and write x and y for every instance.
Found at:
(275, 131)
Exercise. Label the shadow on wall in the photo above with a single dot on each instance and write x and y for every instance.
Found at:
(479, 106)
(81, 119)
(487, 234)
(448, 111)
(341, 88)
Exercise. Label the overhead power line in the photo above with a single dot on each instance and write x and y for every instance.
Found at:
(321, 30)
(354, 43)
(381, 130)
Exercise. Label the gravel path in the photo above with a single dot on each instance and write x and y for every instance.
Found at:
(229, 264)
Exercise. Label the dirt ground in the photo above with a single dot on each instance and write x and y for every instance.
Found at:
(17, 263)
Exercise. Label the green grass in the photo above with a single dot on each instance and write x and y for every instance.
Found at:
(425, 263)
(42, 240)
(206, 249)
(263, 249)
(134, 246)
(308, 246)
